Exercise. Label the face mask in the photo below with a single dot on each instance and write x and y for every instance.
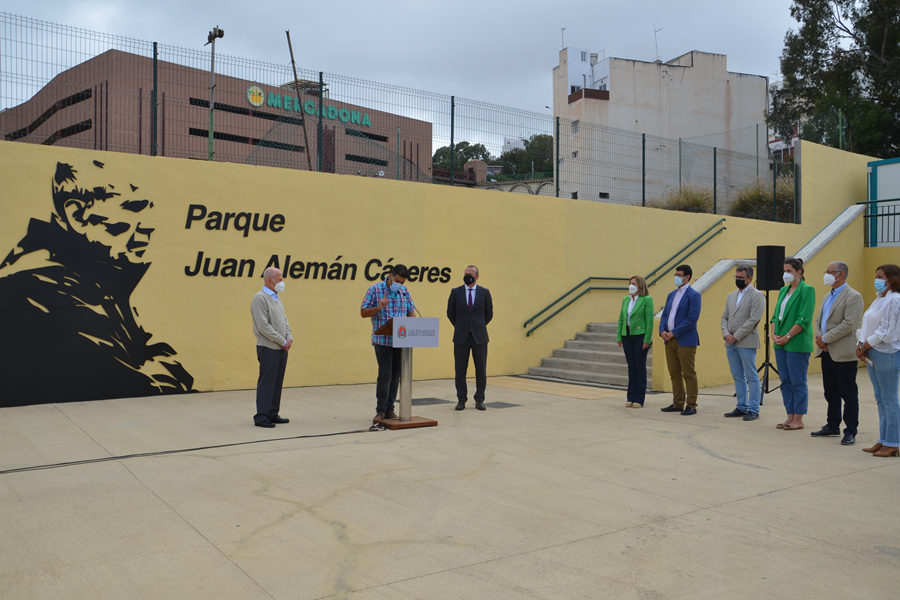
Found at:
(279, 287)
(468, 279)
(632, 289)
(828, 279)
(880, 285)
(396, 288)
(678, 281)
(741, 283)
(788, 278)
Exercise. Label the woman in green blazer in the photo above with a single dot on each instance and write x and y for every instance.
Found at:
(635, 334)
(792, 332)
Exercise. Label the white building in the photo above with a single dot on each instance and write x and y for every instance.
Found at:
(693, 98)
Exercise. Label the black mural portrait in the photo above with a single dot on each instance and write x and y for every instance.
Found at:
(68, 331)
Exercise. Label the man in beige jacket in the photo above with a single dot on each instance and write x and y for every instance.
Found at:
(273, 340)
(740, 319)
(836, 325)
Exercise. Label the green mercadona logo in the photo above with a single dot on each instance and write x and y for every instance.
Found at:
(255, 95)
(289, 103)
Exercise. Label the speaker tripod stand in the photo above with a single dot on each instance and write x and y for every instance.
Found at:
(767, 364)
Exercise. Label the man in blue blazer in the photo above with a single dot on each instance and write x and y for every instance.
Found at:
(678, 329)
(470, 309)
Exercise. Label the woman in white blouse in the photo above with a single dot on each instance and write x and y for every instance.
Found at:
(879, 346)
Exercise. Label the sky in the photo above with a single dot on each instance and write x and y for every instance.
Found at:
(494, 51)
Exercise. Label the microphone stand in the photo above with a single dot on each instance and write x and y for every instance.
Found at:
(767, 364)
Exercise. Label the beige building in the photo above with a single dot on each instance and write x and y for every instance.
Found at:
(693, 98)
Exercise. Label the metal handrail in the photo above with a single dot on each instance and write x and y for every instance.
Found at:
(674, 258)
(653, 272)
(879, 201)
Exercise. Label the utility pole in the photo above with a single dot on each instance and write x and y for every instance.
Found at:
(211, 39)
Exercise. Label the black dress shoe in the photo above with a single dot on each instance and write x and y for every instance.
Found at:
(848, 439)
(689, 411)
(736, 413)
(751, 416)
(279, 420)
(479, 405)
(268, 424)
(825, 432)
(460, 405)
(671, 408)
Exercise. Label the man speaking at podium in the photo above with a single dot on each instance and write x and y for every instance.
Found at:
(384, 301)
(470, 309)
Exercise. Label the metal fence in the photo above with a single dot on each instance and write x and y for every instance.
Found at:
(882, 219)
(66, 86)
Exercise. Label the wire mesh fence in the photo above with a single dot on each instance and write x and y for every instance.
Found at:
(66, 86)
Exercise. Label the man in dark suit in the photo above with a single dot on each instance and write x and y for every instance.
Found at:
(678, 328)
(470, 309)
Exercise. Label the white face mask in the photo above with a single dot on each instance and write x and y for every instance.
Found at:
(788, 278)
(678, 281)
(632, 289)
(279, 287)
(828, 279)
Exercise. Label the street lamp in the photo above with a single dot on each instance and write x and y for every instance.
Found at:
(211, 39)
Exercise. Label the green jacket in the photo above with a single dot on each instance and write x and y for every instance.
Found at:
(641, 318)
(800, 309)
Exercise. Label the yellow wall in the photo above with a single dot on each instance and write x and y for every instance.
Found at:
(530, 249)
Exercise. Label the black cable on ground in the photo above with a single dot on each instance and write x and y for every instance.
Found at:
(164, 452)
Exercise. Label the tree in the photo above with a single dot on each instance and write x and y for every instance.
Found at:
(463, 153)
(844, 56)
(538, 150)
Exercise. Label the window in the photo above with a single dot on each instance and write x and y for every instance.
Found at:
(575, 126)
(574, 88)
(584, 56)
(575, 154)
(604, 195)
(574, 195)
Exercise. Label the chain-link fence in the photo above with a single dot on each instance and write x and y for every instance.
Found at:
(65, 86)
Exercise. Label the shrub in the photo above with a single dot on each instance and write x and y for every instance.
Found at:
(754, 200)
(687, 198)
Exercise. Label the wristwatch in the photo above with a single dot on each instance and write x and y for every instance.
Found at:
(788, 335)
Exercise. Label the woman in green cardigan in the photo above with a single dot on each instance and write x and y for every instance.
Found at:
(635, 335)
(792, 332)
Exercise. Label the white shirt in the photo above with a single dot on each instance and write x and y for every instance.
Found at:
(784, 304)
(675, 302)
(630, 308)
(740, 297)
(881, 324)
(473, 293)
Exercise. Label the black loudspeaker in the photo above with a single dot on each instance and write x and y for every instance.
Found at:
(769, 268)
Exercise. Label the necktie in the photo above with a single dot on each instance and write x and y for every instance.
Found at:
(470, 298)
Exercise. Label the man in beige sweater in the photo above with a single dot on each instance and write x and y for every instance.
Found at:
(273, 340)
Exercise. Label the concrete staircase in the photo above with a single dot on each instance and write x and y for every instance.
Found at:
(592, 357)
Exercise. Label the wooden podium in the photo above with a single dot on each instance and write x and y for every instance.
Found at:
(408, 333)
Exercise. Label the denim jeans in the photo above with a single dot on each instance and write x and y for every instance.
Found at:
(388, 382)
(885, 376)
(792, 368)
(746, 378)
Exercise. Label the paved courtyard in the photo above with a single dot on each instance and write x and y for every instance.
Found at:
(565, 494)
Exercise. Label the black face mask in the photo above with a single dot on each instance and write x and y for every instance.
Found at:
(741, 283)
(468, 279)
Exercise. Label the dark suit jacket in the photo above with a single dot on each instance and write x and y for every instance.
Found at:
(685, 317)
(475, 321)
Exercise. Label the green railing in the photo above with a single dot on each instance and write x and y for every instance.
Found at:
(882, 222)
(673, 260)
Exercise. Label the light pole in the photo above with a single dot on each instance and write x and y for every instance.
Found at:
(211, 39)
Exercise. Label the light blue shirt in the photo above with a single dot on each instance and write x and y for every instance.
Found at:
(829, 301)
(271, 293)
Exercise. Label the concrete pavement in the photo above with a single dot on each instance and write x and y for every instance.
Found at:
(567, 494)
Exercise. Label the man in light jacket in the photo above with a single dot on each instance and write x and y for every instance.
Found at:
(836, 324)
(740, 319)
(273, 340)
